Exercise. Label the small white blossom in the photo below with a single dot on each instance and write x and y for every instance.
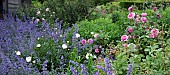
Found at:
(38, 12)
(67, 41)
(87, 55)
(28, 59)
(33, 61)
(37, 20)
(53, 12)
(43, 19)
(47, 9)
(64, 46)
(77, 35)
(60, 35)
(18, 52)
(92, 32)
(38, 45)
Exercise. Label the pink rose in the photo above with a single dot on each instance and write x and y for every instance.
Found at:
(144, 14)
(125, 45)
(96, 50)
(90, 41)
(130, 30)
(154, 8)
(155, 32)
(137, 20)
(130, 9)
(131, 15)
(144, 19)
(124, 38)
(96, 35)
(83, 41)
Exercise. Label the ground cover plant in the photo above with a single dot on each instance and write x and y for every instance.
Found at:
(121, 42)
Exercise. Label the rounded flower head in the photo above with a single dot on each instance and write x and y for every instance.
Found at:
(137, 20)
(131, 15)
(125, 45)
(47, 9)
(38, 45)
(124, 38)
(155, 32)
(88, 55)
(137, 16)
(130, 9)
(18, 52)
(130, 30)
(38, 12)
(144, 19)
(144, 14)
(83, 41)
(90, 41)
(154, 8)
(96, 35)
(77, 35)
(28, 59)
(64, 46)
(96, 50)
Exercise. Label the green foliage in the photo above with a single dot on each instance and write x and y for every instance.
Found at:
(103, 26)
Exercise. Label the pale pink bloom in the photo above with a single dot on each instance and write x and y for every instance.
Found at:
(83, 41)
(130, 30)
(130, 9)
(137, 20)
(43, 19)
(125, 45)
(144, 14)
(155, 32)
(124, 38)
(144, 19)
(90, 41)
(132, 37)
(47, 9)
(96, 50)
(96, 35)
(154, 8)
(131, 15)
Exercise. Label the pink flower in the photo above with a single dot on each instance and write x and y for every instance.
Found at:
(130, 9)
(83, 41)
(96, 50)
(130, 30)
(131, 15)
(132, 37)
(137, 16)
(90, 41)
(96, 35)
(151, 35)
(137, 20)
(158, 16)
(125, 45)
(155, 32)
(154, 8)
(124, 38)
(144, 19)
(144, 14)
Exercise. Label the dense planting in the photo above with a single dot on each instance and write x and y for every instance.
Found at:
(112, 41)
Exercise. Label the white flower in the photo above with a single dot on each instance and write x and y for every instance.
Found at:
(47, 9)
(53, 12)
(37, 20)
(43, 19)
(87, 55)
(92, 32)
(33, 61)
(38, 38)
(38, 45)
(67, 41)
(28, 59)
(77, 35)
(94, 56)
(60, 35)
(18, 52)
(64, 46)
(38, 12)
